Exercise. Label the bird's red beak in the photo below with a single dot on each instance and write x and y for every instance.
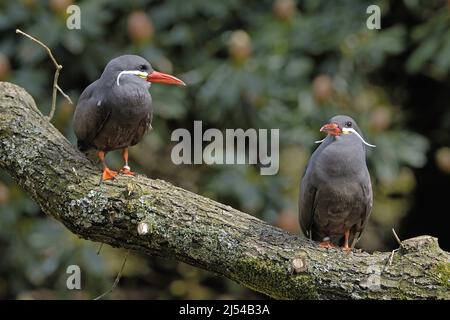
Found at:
(160, 77)
(332, 129)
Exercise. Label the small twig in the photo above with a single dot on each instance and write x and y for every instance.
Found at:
(55, 78)
(64, 95)
(391, 258)
(57, 65)
(99, 248)
(397, 238)
(116, 282)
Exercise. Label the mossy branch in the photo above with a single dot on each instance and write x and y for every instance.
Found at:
(157, 218)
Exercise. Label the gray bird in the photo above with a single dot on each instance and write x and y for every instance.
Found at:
(336, 194)
(115, 111)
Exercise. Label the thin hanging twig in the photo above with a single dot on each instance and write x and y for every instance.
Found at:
(99, 248)
(391, 258)
(116, 282)
(64, 95)
(56, 76)
(397, 238)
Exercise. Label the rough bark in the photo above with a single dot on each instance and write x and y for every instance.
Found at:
(199, 231)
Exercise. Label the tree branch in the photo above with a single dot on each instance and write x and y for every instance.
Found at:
(157, 218)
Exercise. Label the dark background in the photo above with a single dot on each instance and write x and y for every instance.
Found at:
(248, 64)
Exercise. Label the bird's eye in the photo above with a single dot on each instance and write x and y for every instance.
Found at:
(348, 124)
(142, 67)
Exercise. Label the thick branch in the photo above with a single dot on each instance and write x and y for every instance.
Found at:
(190, 228)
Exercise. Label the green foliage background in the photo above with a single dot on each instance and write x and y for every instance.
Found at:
(248, 64)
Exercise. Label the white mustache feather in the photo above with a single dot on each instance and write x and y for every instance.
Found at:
(134, 72)
(319, 141)
(351, 130)
(348, 130)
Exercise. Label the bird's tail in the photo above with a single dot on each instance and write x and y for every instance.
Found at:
(83, 146)
(92, 155)
(88, 151)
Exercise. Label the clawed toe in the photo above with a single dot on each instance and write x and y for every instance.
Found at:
(108, 174)
(327, 244)
(126, 170)
(346, 248)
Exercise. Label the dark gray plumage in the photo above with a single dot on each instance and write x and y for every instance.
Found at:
(115, 111)
(336, 193)
(110, 116)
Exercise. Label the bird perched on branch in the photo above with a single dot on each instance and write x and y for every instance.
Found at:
(115, 111)
(336, 194)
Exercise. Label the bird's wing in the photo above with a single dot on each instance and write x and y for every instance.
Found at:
(90, 116)
(307, 204)
(368, 195)
(144, 126)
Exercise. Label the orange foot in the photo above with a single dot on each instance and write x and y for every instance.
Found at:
(108, 174)
(346, 248)
(327, 244)
(126, 170)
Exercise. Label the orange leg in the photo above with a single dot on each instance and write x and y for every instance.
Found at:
(346, 247)
(107, 174)
(326, 243)
(126, 168)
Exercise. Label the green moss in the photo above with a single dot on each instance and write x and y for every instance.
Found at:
(275, 279)
(442, 273)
